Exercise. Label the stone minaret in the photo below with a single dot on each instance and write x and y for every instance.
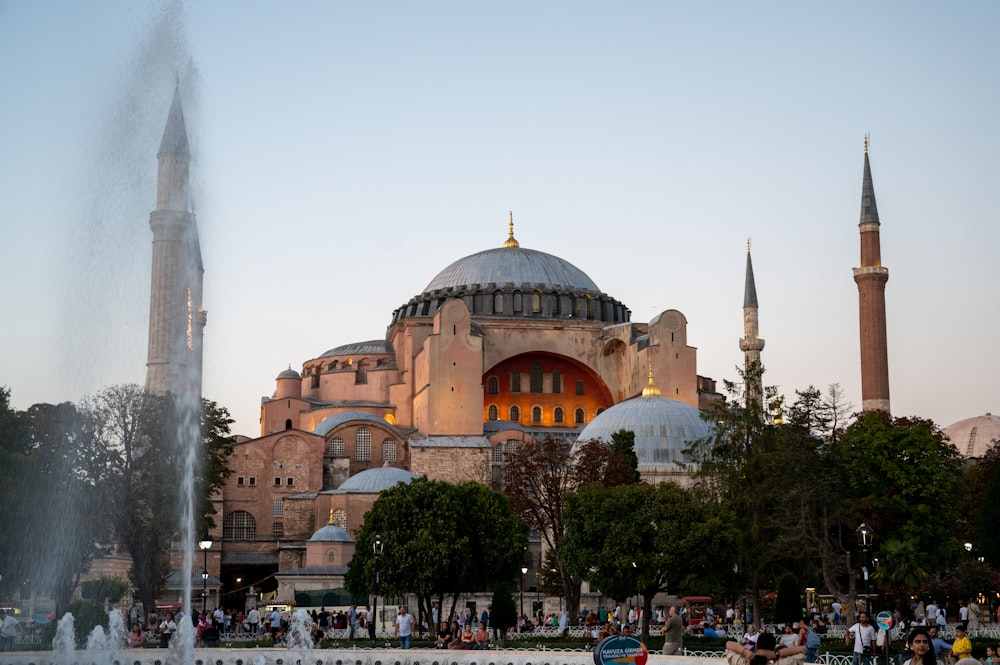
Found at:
(751, 345)
(871, 277)
(176, 318)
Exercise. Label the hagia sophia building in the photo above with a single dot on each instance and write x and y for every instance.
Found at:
(500, 347)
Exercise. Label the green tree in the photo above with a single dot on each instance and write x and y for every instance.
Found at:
(788, 605)
(440, 540)
(112, 589)
(45, 474)
(643, 539)
(902, 570)
(897, 474)
(623, 466)
(139, 437)
(986, 524)
(503, 611)
(538, 477)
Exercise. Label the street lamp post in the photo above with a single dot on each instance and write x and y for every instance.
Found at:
(204, 545)
(866, 535)
(378, 546)
(524, 571)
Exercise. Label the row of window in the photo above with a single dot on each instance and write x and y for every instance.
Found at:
(558, 415)
(363, 447)
(535, 383)
(251, 481)
(241, 525)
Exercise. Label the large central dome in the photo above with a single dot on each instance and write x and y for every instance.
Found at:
(512, 265)
(511, 282)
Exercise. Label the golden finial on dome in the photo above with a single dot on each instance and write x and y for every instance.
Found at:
(650, 390)
(331, 517)
(748, 244)
(511, 241)
(866, 143)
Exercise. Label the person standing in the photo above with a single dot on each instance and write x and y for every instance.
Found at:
(974, 613)
(275, 624)
(352, 620)
(8, 631)
(253, 621)
(864, 639)
(404, 628)
(673, 633)
(167, 629)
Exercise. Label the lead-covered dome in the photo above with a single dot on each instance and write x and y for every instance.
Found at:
(512, 265)
(512, 282)
(974, 436)
(663, 428)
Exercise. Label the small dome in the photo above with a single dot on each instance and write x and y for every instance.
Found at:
(327, 425)
(373, 481)
(331, 533)
(515, 265)
(663, 428)
(974, 436)
(289, 374)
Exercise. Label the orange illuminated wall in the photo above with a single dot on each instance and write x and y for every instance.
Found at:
(545, 382)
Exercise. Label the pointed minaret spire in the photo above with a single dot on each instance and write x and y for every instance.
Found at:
(751, 345)
(871, 277)
(511, 241)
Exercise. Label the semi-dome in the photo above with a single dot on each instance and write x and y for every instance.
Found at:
(373, 481)
(512, 265)
(331, 533)
(327, 425)
(663, 428)
(974, 436)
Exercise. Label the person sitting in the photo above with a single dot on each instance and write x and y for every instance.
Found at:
(443, 636)
(767, 651)
(482, 638)
(136, 639)
(467, 638)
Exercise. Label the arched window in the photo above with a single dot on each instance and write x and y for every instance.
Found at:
(498, 302)
(340, 518)
(556, 381)
(536, 414)
(361, 376)
(239, 525)
(388, 450)
(557, 415)
(331, 556)
(600, 410)
(336, 447)
(277, 508)
(494, 412)
(515, 414)
(288, 423)
(363, 445)
(493, 385)
(536, 378)
(578, 416)
(515, 381)
(536, 302)
(579, 387)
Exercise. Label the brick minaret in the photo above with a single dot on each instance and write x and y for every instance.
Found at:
(871, 277)
(176, 319)
(751, 345)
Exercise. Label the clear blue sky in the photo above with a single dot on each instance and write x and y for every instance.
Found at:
(347, 152)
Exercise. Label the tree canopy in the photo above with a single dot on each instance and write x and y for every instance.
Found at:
(441, 540)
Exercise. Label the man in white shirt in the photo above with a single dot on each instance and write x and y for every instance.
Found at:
(8, 631)
(219, 618)
(931, 613)
(864, 640)
(404, 628)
